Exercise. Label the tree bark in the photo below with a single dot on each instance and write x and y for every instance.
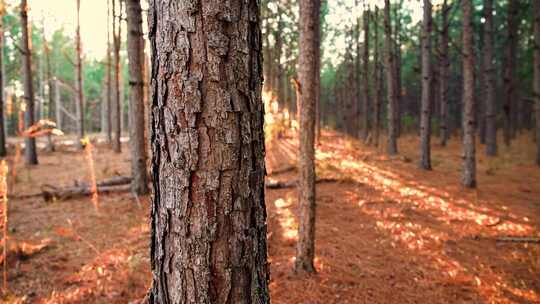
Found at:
(392, 148)
(116, 111)
(537, 75)
(307, 68)
(30, 152)
(208, 211)
(397, 68)
(510, 99)
(3, 151)
(136, 84)
(80, 94)
(489, 78)
(427, 78)
(444, 73)
(365, 86)
(469, 123)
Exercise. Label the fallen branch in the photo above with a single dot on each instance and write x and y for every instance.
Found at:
(282, 170)
(50, 192)
(511, 239)
(273, 184)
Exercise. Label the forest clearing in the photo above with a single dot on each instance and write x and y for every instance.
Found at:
(269, 151)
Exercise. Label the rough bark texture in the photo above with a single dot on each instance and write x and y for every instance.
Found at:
(489, 78)
(3, 151)
(117, 101)
(392, 148)
(208, 212)
(397, 67)
(30, 153)
(469, 123)
(510, 98)
(136, 85)
(365, 79)
(307, 68)
(79, 87)
(378, 83)
(537, 75)
(427, 78)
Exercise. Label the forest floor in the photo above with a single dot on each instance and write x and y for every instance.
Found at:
(387, 232)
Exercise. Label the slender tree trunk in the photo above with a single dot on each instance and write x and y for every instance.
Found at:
(108, 98)
(489, 78)
(136, 84)
(308, 57)
(50, 85)
(80, 95)
(208, 215)
(397, 68)
(116, 112)
(444, 65)
(392, 148)
(30, 152)
(378, 82)
(469, 123)
(427, 78)
(537, 75)
(509, 72)
(58, 104)
(3, 151)
(365, 86)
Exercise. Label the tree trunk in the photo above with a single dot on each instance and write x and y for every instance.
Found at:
(489, 78)
(58, 104)
(3, 151)
(50, 84)
(208, 211)
(80, 95)
(469, 124)
(427, 78)
(365, 87)
(108, 98)
(509, 71)
(397, 68)
(116, 112)
(136, 84)
(537, 75)
(378, 83)
(444, 75)
(30, 152)
(392, 148)
(307, 68)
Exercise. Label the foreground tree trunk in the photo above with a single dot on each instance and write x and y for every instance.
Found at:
(80, 95)
(30, 152)
(444, 73)
(537, 75)
(469, 123)
(510, 98)
(136, 84)
(391, 82)
(3, 151)
(308, 57)
(378, 83)
(427, 78)
(50, 86)
(489, 78)
(116, 111)
(208, 211)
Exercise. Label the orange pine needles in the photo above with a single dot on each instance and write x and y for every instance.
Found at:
(3, 194)
(88, 148)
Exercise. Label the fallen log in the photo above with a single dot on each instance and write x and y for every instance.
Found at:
(510, 239)
(54, 193)
(50, 192)
(274, 184)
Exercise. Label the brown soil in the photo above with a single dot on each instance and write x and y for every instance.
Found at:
(387, 232)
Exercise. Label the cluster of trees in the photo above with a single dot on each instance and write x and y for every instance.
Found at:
(51, 78)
